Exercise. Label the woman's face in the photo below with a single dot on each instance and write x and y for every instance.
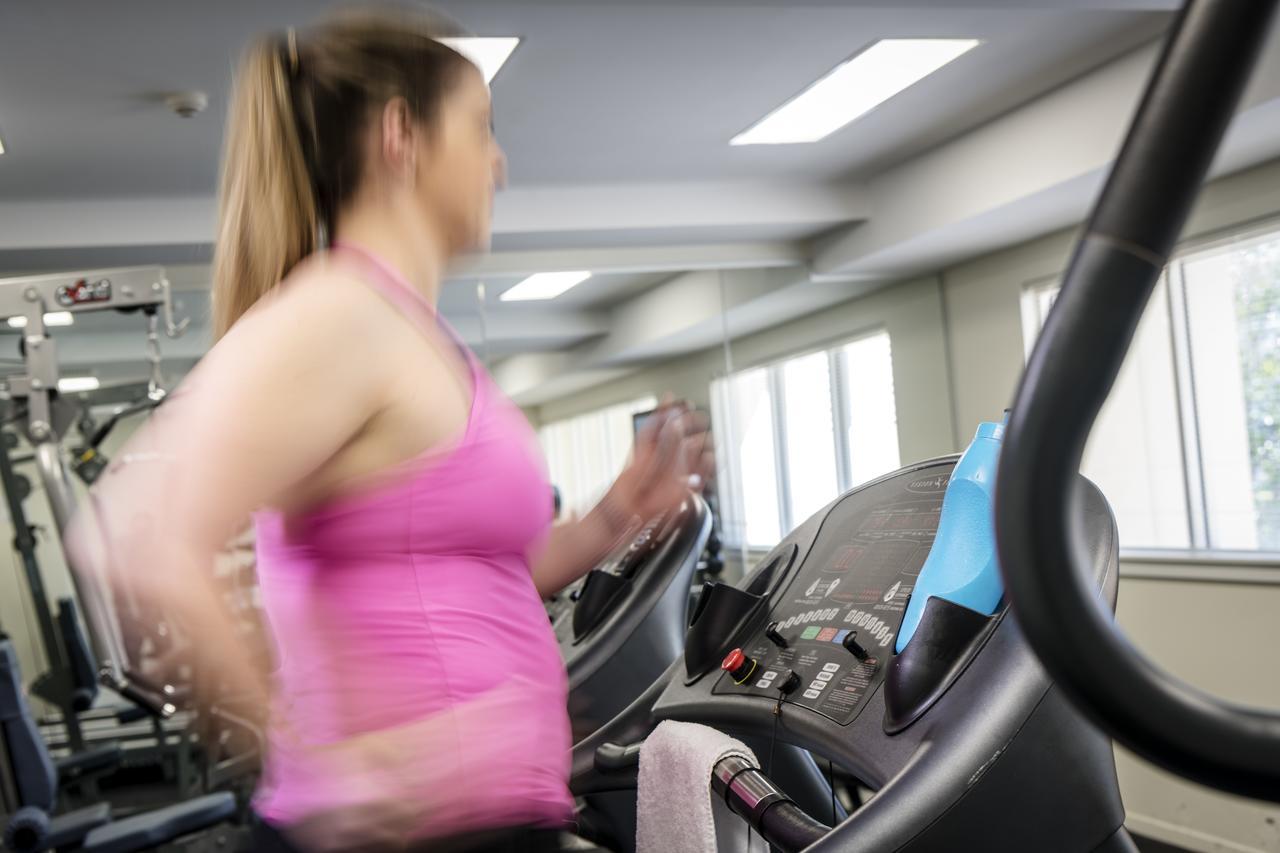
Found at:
(461, 165)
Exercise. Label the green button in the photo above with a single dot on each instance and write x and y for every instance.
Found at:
(811, 632)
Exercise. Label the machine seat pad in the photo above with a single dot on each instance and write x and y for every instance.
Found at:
(150, 829)
(71, 828)
(79, 763)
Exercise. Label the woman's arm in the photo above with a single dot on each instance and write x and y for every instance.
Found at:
(672, 454)
(267, 406)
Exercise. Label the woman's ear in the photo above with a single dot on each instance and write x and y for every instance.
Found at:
(398, 137)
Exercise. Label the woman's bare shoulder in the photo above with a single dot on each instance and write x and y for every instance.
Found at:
(325, 292)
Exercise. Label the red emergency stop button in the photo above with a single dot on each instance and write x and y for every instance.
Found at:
(738, 665)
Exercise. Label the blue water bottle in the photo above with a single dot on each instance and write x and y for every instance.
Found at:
(962, 567)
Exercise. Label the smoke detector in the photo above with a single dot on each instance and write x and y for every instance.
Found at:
(187, 104)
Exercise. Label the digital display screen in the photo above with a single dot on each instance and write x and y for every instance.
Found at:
(639, 419)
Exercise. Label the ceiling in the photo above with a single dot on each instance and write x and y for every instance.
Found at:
(596, 93)
(616, 118)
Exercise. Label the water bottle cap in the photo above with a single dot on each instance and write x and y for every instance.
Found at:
(990, 430)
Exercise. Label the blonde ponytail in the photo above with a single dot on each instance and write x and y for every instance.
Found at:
(268, 217)
(319, 87)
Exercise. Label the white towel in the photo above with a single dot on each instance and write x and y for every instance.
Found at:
(676, 811)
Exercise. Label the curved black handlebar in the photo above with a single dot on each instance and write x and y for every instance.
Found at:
(1135, 223)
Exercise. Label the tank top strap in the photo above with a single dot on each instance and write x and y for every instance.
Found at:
(399, 292)
(391, 284)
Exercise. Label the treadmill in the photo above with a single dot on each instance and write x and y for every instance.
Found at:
(963, 738)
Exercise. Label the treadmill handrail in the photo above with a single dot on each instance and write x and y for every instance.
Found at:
(1135, 223)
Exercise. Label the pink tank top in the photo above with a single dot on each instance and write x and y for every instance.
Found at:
(413, 598)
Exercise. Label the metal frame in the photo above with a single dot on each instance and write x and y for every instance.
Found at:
(32, 297)
(782, 471)
(55, 685)
(1184, 384)
(841, 415)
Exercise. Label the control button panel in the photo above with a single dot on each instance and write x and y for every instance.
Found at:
(642, 544)
(842, 608)
(622, 562)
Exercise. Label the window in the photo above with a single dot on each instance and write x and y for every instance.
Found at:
(809, 429)
(742, 418)
(871, 413)
(585, 453)
(794, 434)
(1187, 446)
(1231, 302)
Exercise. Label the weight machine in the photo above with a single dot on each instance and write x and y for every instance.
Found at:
(44, 416)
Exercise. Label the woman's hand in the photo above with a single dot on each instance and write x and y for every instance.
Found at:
(673, 455)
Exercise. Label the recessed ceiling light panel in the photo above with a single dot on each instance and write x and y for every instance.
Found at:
(77, 384)
(544, 285)
(853, 89)
(54, 318)
(488, 53)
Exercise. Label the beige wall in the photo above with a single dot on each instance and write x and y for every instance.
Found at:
(1222, 638)
(912, 314)
(984, 322)
(982, 296)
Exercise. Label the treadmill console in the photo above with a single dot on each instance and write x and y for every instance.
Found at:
(835, 621)
(584, 605)
(624, 623)
(621, 564)
(961, 734)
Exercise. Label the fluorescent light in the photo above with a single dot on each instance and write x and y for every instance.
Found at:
(544, 285)
(854, 88)
(54, 318)
(76, 384)
(487, 53)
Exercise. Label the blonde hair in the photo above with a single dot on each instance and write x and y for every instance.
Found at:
(292, 153)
